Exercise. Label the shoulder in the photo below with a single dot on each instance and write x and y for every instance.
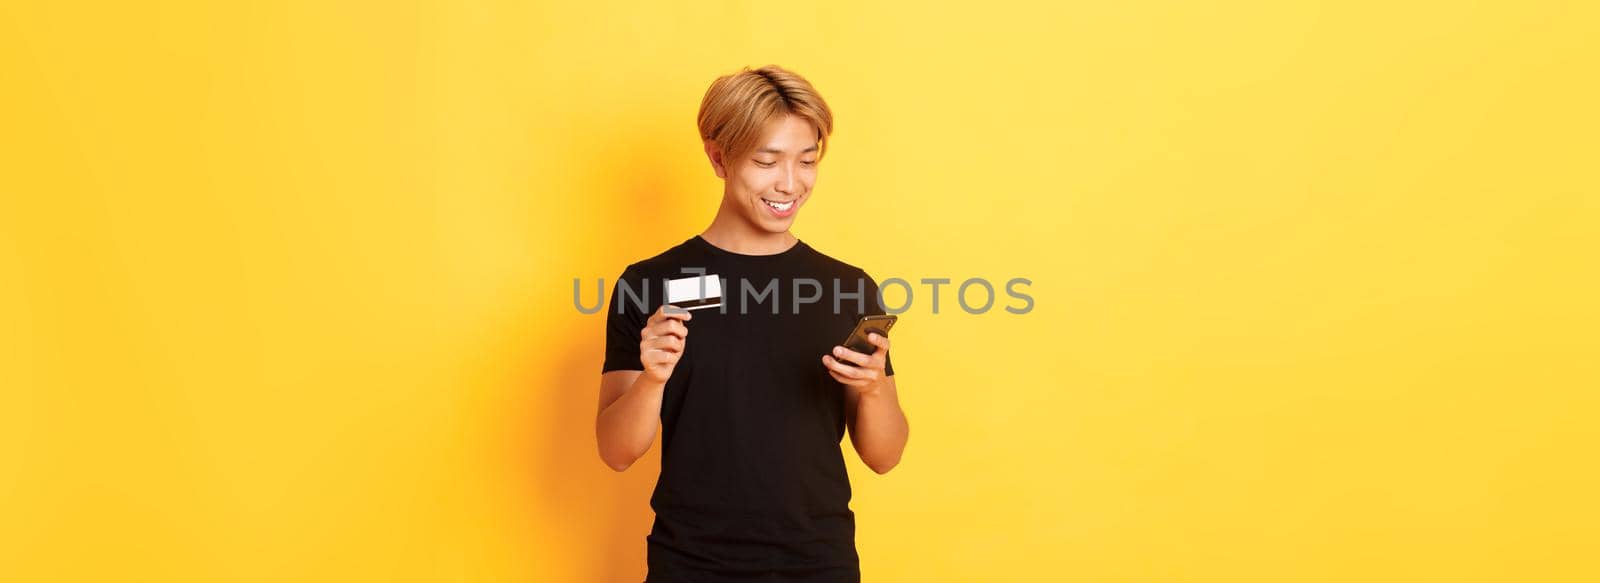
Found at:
(835, 266)
(665, 262)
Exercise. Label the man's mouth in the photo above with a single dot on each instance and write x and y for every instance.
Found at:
(779, 206)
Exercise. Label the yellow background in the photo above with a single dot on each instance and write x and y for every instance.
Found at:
(285, 287)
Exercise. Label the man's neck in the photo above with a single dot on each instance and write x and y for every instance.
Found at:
(730, 232)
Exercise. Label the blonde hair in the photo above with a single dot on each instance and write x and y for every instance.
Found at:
(738, 106)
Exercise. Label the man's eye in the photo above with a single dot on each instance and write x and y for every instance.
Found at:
(764, 164)
(808, 162)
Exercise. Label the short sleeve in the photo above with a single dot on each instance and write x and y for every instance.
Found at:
(625, 319)
(874, 307)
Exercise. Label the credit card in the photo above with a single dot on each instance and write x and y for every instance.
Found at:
(694, 293)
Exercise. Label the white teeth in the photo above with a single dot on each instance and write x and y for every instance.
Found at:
(780, 206)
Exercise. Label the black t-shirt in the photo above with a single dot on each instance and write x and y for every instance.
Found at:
(753, 480)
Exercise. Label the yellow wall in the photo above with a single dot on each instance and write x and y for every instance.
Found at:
(285, 289)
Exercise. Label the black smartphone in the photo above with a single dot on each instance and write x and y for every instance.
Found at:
(868, 324)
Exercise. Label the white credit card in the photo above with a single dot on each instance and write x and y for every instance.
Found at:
(695, 292)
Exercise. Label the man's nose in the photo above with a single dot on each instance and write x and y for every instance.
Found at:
(786, 181)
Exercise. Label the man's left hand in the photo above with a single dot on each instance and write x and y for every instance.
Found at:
(868, 374)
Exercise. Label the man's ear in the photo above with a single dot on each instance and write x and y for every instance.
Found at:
(714, 153)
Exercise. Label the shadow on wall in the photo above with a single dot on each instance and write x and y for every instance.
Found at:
(599, 517)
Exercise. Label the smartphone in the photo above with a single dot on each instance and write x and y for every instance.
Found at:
(868, 324)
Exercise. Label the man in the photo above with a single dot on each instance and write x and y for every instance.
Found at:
(753, 404)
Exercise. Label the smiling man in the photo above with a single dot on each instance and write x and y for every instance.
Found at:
(754, 397)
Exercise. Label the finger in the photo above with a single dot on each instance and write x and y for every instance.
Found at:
(665, 343)
(841, 369)
(848, 355)
(880, 357)
(664, 354)
(847, 381)
(851, 381)
(668, 328)
(879, 340)
(671, 311)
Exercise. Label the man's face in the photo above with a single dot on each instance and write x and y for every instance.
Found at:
(770, 184)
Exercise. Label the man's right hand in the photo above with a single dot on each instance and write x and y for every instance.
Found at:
(661, 342)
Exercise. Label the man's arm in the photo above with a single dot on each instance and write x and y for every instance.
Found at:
(630, 411)
(630, 400)
(878, 427)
